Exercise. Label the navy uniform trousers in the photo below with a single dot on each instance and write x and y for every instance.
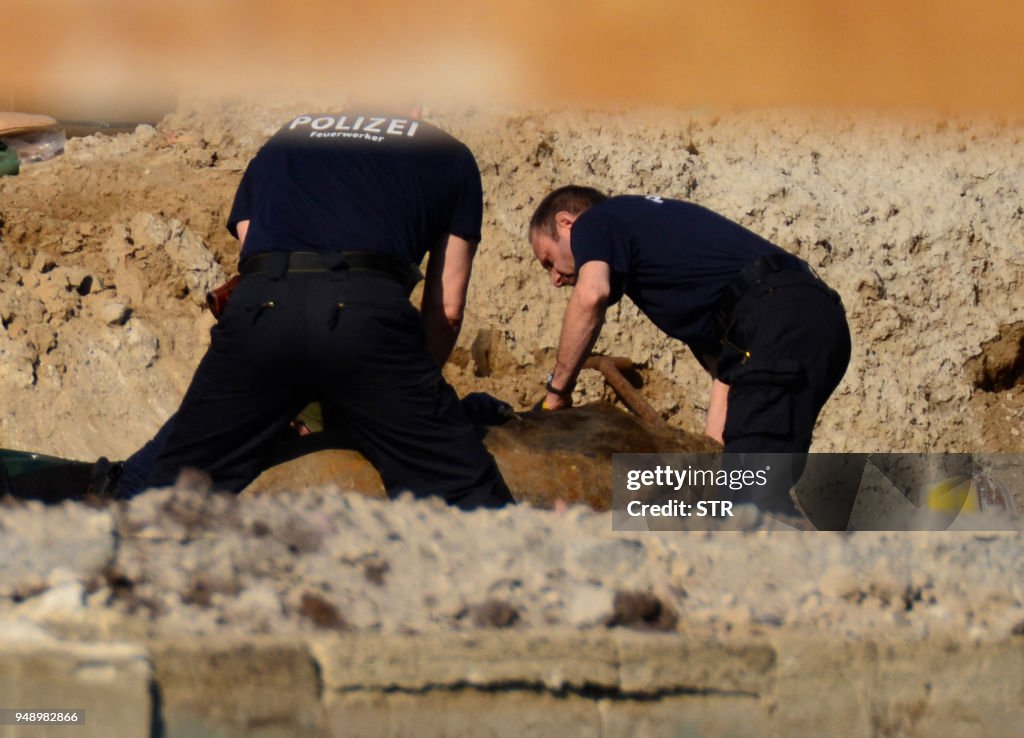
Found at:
(351, 340)
(786, 346)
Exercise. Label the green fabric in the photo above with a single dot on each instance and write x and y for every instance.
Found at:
(24, 462)
(49, 479)
(9, 162)
(313, 416)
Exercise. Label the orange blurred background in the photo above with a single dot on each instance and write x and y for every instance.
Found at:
(110, 60)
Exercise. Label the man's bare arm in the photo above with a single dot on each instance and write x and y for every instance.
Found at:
(444, 295)
(581, 326)
(717, 409)
(242, 227)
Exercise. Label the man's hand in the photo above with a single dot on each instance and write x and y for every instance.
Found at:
(551, 401)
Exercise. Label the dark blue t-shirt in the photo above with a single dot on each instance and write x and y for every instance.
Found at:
(358, 182)
(672, 259)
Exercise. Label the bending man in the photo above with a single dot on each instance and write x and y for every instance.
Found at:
(772, 335)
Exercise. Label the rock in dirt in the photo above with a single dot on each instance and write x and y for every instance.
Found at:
(36, 540)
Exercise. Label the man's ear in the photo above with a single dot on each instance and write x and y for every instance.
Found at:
(564, 218)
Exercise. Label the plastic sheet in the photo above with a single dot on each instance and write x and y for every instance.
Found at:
(9, 162)
(36, 146)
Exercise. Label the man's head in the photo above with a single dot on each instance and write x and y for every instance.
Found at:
(550, 230)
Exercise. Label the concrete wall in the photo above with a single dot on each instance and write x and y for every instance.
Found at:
(500, 683)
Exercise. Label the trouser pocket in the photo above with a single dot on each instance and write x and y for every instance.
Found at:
(761, 398)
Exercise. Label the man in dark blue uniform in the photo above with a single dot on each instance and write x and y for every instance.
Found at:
(334, 214)
(772, 335)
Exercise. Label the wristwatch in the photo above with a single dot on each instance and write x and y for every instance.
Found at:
(565, 392)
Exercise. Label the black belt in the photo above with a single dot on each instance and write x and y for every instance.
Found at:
(754, 273)
(277, 263)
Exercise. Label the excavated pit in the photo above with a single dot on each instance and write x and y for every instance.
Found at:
(105, 257)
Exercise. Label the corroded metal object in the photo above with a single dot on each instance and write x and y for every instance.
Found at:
(546, 457)
(567, 455)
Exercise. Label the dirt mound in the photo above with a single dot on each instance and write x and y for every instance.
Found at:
(108, 250)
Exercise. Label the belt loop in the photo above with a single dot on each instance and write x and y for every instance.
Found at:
(336, 261)
(277, 264)
(336, 264)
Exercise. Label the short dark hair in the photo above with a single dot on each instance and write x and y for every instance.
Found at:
(572, 199)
